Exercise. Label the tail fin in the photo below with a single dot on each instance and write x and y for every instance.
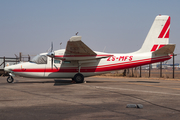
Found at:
(158, 35)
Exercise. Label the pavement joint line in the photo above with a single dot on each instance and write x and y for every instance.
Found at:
(100, 87)
(105, 88)
(154, 86)
(146, 78)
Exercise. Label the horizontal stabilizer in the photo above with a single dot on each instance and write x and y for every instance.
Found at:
(167, 49)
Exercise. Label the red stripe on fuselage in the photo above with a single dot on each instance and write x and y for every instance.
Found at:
(102, 68)
(82, 55)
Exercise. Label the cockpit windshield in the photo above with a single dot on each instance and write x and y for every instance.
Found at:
(40, 59)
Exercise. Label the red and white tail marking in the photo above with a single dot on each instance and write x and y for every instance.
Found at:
(158, 35)
(165, 31)
(160, 46)
(156, 47)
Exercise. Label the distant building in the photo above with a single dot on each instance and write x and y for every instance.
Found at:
(166, 66)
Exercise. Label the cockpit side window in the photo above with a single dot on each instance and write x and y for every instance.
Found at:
(40, 59)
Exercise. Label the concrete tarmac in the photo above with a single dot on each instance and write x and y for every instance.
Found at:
(98, 98)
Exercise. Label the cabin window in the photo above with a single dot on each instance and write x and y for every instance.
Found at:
(57, 61)
(67, 61)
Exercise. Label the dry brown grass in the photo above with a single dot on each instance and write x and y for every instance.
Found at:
(155, 73)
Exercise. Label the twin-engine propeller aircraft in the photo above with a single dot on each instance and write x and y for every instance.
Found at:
(78, 60)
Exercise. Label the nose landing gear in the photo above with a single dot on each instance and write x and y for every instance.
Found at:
(10, 79)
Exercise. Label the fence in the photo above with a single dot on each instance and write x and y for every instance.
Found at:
(5, 60)
(154, 72)
(10, 60)
(158, 70)
(166, 69)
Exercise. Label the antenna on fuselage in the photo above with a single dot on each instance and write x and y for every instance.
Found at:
(77, 33)
(60, 45)
(104, 48)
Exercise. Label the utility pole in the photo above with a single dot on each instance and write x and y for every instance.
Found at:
(173, 63)
(149, 70)
(140, 72)
(20, 56)
(160, 69)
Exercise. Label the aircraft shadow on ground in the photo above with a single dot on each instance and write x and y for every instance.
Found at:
(69, 82)
(56, 82)
(144, 81)
(17, 82)
(63, 82)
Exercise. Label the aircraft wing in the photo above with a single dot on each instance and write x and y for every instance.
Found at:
(76, 47)
(166, 49)
(77, 50)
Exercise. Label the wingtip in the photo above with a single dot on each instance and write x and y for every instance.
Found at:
(75, 38)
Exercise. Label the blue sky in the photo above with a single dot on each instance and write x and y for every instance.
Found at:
(29, 26)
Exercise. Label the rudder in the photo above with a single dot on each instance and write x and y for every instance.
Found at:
(158, 35)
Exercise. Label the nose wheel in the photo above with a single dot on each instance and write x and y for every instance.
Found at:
(10, 79)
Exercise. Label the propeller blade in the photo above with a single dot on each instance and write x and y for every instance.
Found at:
(51, 53)
(51, 46)
(52, 63)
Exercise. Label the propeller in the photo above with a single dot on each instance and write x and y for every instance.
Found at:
(51, 54)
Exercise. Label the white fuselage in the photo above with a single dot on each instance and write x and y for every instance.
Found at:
(67, 69)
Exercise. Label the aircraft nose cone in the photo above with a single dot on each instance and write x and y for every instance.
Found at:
(7, 69)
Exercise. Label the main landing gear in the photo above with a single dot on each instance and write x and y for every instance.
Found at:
(78, 78)
(10, 79)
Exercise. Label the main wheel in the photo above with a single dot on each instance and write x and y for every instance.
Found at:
(79, 78)
(10, 79)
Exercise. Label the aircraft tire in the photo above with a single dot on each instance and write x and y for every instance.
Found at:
(79, 78)
(10, 79)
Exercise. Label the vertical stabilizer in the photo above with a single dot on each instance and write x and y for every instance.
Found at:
(158, 35)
